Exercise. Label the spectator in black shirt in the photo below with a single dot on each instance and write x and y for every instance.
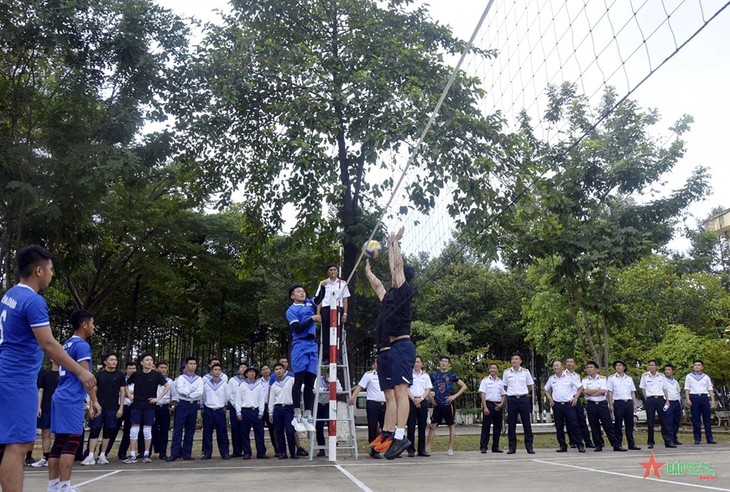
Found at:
(110, 390)
(144, 399)
(47, 382)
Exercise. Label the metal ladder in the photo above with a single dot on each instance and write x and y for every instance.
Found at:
(334, 368)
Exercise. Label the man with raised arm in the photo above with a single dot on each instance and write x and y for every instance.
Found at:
(397, 366)
(26, 335)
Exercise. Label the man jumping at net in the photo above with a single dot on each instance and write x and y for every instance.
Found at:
(395, 321)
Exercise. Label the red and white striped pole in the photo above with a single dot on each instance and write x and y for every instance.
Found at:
(334, 355)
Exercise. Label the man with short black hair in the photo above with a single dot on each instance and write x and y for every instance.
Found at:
(655, 397)
(594, 388)
(443, 381)
(215, 399)
(374, 404)
(562, 392)
(493, 395)
(144, 398)
(129, 369)
(26, 332)
(673, 409)
(304, 352)
(110, 391)
(579, 409)
(331, 285)
(397, 366)
(47, 383)
(249, 402)
(419, 393)
(268, 412)
(161, 428)
(700, 396)
(518, 383)
(280, 398)
(233, 384)
(68, 406)
(189, 391)
(622, 402)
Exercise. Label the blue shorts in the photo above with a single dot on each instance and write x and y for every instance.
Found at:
(384, 370)
(106, 419)
(142, 417)
(304, 356)
(402, 358)
(67, 417)
(18, 412)
(44, 422)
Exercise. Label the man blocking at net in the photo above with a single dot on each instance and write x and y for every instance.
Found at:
(395, 314)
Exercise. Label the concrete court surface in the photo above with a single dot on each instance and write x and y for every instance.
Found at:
(544, 470)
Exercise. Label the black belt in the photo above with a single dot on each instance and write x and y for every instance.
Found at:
(655, 396)
(221, 409)
(378, 402)
(562, 402)
(699, 394)
(249, 408)
(518, 396)
(596, 402)
(281, 405)
(623, 400)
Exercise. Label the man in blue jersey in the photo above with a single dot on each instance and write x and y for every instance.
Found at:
(304, 351)
(67, 406)
(25, 333)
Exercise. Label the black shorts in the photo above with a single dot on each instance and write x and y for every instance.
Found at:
(402, 358)
(44, 421)
(143, 417)
(443, 413)
(384, 370)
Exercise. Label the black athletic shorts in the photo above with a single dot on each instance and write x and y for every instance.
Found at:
(443, 413)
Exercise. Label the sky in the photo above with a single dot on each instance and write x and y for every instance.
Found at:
(695, 81)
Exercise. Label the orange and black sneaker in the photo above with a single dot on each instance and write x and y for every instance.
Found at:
(384, 445)
(378, 439)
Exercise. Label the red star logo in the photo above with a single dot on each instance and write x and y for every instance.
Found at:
(652, 466)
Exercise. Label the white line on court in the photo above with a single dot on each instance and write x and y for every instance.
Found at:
(354, 479)
(633, 476)
(98, 478)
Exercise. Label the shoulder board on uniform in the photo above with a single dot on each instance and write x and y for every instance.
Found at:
(601, 376)
(647, 373)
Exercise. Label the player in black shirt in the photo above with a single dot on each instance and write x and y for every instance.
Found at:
(110, 390)
(144, 399)
(395, 322)
(47, 382)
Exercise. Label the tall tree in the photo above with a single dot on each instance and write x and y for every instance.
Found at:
(584, 213)
(77, 81)
(303, 102)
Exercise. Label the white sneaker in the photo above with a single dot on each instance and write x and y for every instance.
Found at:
(101, 460)
(130, 459)
(450, 452)
(307, 421)
(67, 488)
(88, 461)
(54, 487)
(298, 425)
(41, 462)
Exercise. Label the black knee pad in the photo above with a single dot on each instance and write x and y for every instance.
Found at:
(58, 444)
(73, 441)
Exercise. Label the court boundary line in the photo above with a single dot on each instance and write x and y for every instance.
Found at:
(354, 479)
(98, 478)
(637, 477)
